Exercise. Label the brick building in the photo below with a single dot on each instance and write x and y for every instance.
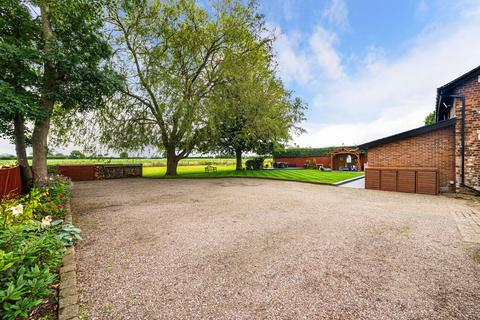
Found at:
(450, 147)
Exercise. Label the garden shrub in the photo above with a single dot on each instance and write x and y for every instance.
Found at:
(32, 243)
(255, 164)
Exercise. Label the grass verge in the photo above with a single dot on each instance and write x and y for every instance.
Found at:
(312, 176)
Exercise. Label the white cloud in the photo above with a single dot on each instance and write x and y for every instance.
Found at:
(388, 96)
(325, 56)
(422, 7)
(294, 64)
(337, 13)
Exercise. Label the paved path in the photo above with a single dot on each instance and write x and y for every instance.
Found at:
(357, 184)
(261, 249)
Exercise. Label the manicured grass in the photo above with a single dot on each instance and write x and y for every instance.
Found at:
(314, 176)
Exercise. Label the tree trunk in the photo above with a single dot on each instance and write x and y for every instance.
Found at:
(172, 163)
(21, 150)
(40, 149)
(42, 125)
(238, 156)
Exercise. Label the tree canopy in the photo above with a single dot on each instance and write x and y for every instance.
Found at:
(54, 58)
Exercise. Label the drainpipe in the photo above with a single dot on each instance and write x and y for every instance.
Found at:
(462, 144)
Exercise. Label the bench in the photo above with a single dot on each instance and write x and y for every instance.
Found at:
(210, 169)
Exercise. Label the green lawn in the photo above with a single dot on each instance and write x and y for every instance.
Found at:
(314, 176)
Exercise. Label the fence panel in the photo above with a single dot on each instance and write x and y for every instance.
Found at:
(10, 181)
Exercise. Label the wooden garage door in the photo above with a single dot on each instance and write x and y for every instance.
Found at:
(419, 180)
(406, 181)
(372, 179)
(427, 182)
(388, 180)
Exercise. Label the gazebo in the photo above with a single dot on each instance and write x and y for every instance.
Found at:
(346, 159)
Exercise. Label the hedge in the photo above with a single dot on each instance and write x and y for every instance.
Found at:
(307, 152)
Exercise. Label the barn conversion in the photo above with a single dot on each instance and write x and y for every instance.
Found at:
(443, 156)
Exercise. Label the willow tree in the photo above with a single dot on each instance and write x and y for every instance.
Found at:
(172, 54)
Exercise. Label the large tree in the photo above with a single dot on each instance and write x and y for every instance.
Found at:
(57, 62)
(76, 74)
(172, 54)
(19, 69)
(253, 112)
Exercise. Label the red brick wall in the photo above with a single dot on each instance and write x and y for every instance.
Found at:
(433, 149)
(300, 161)
(471, 91)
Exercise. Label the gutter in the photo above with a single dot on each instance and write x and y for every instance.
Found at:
(462, 144)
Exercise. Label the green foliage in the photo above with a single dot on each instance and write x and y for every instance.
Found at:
(306, 152)
(252, 111)
(176, 54)
(255, 164)
(32, 245)
(19, 65)
(124, 155)
(28, 258)
(430, 118)
(67, 232)
(76, 154)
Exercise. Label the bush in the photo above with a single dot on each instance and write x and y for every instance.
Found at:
(32, 243)
(255, 164)
(29, 255)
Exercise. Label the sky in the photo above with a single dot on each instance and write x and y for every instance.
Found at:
(368, 68)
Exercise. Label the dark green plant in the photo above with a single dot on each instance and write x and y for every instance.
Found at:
(255, 164)
(28, 257)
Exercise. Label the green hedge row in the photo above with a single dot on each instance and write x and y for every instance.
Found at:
(307, 152)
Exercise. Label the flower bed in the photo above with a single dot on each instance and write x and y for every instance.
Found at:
(33, 238)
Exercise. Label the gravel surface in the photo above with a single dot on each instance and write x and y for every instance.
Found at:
(260, 249)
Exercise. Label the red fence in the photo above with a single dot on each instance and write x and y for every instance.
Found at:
(86, 172)
(10, 181)
(78, 172)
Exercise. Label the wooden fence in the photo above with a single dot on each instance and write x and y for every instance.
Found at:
(10, 181)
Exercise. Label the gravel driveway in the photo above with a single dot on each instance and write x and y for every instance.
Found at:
(261, 249)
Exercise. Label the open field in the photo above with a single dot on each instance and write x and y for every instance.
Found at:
(148, 162)
(314, 176)
(264, 249)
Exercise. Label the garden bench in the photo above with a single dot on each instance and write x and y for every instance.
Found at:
(210, 169)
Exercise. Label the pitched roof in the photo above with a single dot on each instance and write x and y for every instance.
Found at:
(462, 78)
(452, 84)
(410, 133)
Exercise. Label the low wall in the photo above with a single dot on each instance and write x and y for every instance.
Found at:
(100, 171)
(300, 161)
(10, 181)
(117, 171)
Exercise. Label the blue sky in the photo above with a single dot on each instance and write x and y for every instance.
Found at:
(368, 68)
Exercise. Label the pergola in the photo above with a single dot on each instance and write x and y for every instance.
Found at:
(346, 151)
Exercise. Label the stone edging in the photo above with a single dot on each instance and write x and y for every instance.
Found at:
(339, 183)
(68, 294)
